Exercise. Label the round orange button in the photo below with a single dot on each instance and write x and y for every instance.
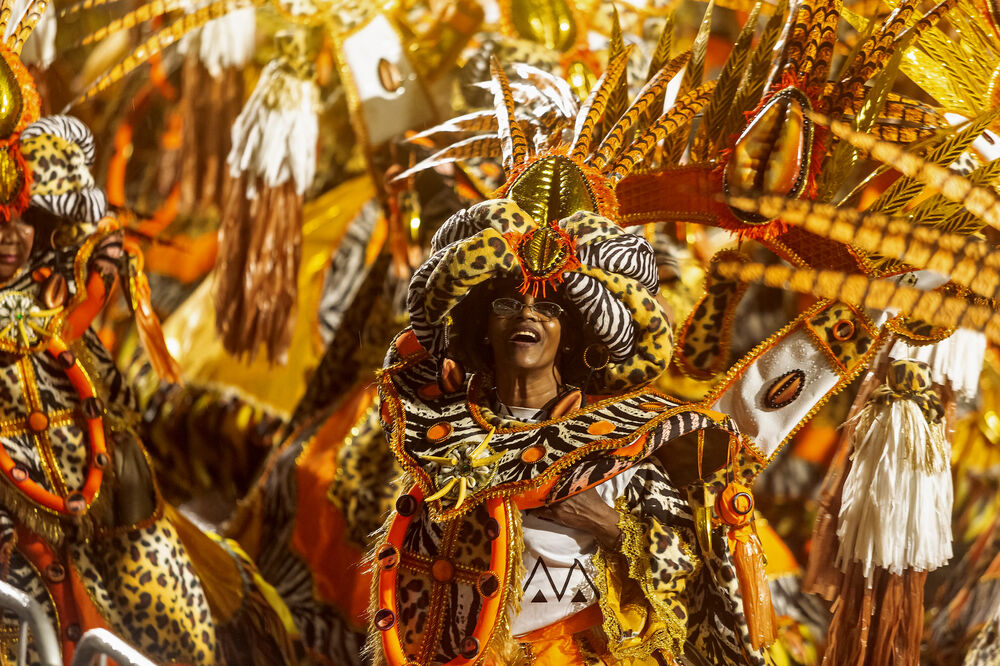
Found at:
(438, 432)
(38, 421)
(442, 570)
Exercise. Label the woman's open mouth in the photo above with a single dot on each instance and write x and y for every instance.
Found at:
(525, 335)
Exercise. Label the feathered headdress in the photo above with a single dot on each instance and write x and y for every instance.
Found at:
(553, 224)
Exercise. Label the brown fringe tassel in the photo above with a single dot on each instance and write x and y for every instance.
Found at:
(260, 246)
(877, 622)
(215, 103)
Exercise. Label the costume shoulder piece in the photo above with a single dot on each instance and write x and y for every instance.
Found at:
(460, 453)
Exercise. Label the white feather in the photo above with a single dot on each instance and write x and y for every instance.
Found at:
(276, 133)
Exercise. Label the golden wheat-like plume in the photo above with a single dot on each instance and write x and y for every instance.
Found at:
(513, 143)
(593, 107)
(968, 260)
(980, 201)
(159, 41)
(650, 92)
(934, 307)
(683, 110)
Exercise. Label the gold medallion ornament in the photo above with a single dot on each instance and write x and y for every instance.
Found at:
(19, 107)
(11, 99)
(552, 188)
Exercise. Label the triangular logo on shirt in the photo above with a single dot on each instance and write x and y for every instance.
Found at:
(540, 598)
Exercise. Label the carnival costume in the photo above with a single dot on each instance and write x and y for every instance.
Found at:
(83, 530)
(773, 157)
(449, 568)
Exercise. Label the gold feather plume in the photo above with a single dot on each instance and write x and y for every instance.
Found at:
(25, 26)
(140, 14)
(683, 110)
(513, 144)
(466, 149)
(717, 115)
(159, 41)
(653, 90)
(660, 57)
(28, 23)
(979, 201)
(752, 87)
(593, 107)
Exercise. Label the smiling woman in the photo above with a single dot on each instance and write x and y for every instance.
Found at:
(529, 491)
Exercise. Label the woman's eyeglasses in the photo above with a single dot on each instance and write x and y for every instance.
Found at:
(508, 307)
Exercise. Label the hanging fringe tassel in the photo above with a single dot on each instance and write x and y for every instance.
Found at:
(896, 506)
(734, 506)
(215, 102)
(878, 621)
(146, 321)
(271, 164)
(894, 521)
(260, 245)
(823, 576)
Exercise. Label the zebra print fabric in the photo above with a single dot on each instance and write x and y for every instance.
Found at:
(65, 127)
(576, 449)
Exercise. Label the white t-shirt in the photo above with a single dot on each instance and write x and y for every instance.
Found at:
(557, 562)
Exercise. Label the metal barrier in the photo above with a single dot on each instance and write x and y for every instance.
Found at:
(102, 644)
(31, 616)
(98, 644)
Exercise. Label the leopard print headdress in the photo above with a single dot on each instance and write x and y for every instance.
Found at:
(608, 274)
(554, 225)
(42, 162)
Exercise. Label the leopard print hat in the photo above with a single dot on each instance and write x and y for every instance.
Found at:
(607, 273)
(59, 150)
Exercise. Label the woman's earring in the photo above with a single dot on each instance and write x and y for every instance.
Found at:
(486, 339)
(596, 356)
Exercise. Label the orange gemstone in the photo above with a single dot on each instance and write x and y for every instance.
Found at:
(438, 432)
(40, 274)
(442, 570)
(38, 421)
(533, 453)
(601, 428)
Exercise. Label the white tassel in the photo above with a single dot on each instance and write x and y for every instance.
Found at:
(276, 133)
(896, 507)
(225, 42)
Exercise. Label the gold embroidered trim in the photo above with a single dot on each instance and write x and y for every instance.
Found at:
(633, 549)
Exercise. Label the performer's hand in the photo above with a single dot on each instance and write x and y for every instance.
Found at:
(588, 512)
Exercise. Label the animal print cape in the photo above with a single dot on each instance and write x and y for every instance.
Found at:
(449, 567)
